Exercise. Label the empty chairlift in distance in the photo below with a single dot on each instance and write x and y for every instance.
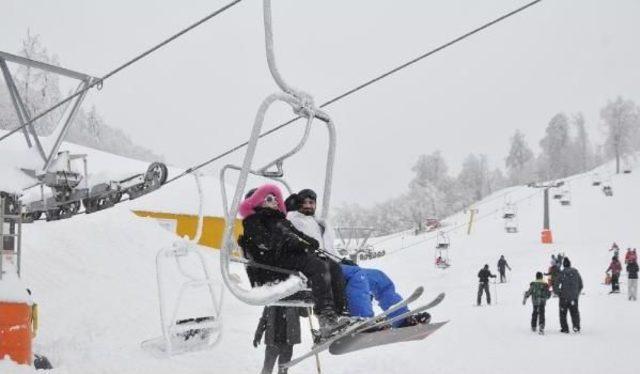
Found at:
(510, 216)
(595, 180)
(565, 200)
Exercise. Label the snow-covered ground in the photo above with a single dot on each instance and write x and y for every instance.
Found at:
(94, 279)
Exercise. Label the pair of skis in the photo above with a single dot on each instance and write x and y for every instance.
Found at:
(355, 336)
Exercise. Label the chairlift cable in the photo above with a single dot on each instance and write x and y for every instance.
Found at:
(98, 82)
(364, 85)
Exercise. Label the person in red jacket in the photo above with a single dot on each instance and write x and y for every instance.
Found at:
(630, 256)
(615, 268)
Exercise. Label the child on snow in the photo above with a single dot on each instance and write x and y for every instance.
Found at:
(632, 271)
(281, 329)
(615, 268)
(539, 292)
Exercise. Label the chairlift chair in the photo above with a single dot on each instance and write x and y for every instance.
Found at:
(441, 253)
(511, 225)
(565, 200)
(442, 240)
(509, 211)
(304, 107)
(595, 180)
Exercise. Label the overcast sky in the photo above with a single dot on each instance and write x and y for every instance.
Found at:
(198, 96)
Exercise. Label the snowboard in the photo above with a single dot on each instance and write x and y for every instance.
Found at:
(365, 340)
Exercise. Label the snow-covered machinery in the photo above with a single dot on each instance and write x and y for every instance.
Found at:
(441, 253)
(64, 185)
(353, 243)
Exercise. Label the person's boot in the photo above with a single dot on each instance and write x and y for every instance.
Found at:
(416, 319)
(576, 329)
(330, 322)
(541, 330)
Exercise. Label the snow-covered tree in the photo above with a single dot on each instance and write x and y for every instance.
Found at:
(520, 159)
(621, 121)
(583, 152)
(554, 163)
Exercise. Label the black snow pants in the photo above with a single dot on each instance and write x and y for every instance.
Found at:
(281, 352)
(483, 287)
(537, 317)
(503, 275)
(615, 282)
(317, 272)
(338, 286)
(572, 307)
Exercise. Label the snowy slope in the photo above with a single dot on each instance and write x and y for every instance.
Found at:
(94, 278)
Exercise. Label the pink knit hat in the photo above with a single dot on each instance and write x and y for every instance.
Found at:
(247, 207)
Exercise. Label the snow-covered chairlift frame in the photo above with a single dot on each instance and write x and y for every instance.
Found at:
(303, 106)
(170, 325)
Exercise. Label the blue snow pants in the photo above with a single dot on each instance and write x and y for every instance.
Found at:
(363, 284)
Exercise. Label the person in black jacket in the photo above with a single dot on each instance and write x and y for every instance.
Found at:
(281, 329)
(632, 271)
(568, 286)
(484, 274)
(270, 239)
(502, 268)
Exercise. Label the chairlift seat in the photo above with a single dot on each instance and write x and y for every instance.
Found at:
(442, 246)
(509, 215)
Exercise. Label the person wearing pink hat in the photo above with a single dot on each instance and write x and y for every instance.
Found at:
(270, 239)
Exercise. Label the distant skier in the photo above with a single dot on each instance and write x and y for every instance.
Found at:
(553, 272)
(568, 286)
(281, 329)
(559, 259)
(615, 268)
(615, 249)
(632, 271)
(630, 256)
(484, 274)
(539, 292)
(502, 268)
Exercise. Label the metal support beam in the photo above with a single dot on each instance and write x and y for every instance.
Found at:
(44, 66)
(21, 110)
(67, 122)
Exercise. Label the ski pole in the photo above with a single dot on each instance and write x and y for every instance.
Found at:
(310, 313)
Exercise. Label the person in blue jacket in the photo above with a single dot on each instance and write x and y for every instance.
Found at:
(361, 283)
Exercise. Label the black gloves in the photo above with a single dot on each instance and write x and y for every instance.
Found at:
(346, 261)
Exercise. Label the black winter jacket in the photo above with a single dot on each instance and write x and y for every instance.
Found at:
(484, 275)
(632, 269)
(267, 237)
(280, 325)
(568, 284)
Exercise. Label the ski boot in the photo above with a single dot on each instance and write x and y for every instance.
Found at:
(416, 319)
(576, 329)
(541, 330)
(330, 323)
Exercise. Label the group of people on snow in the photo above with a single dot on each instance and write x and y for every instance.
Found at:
(286, 234)
(566, 283)
(614, 271)
(485, 274)
(563, 280)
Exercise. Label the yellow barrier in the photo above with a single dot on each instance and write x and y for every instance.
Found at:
(187, 224)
